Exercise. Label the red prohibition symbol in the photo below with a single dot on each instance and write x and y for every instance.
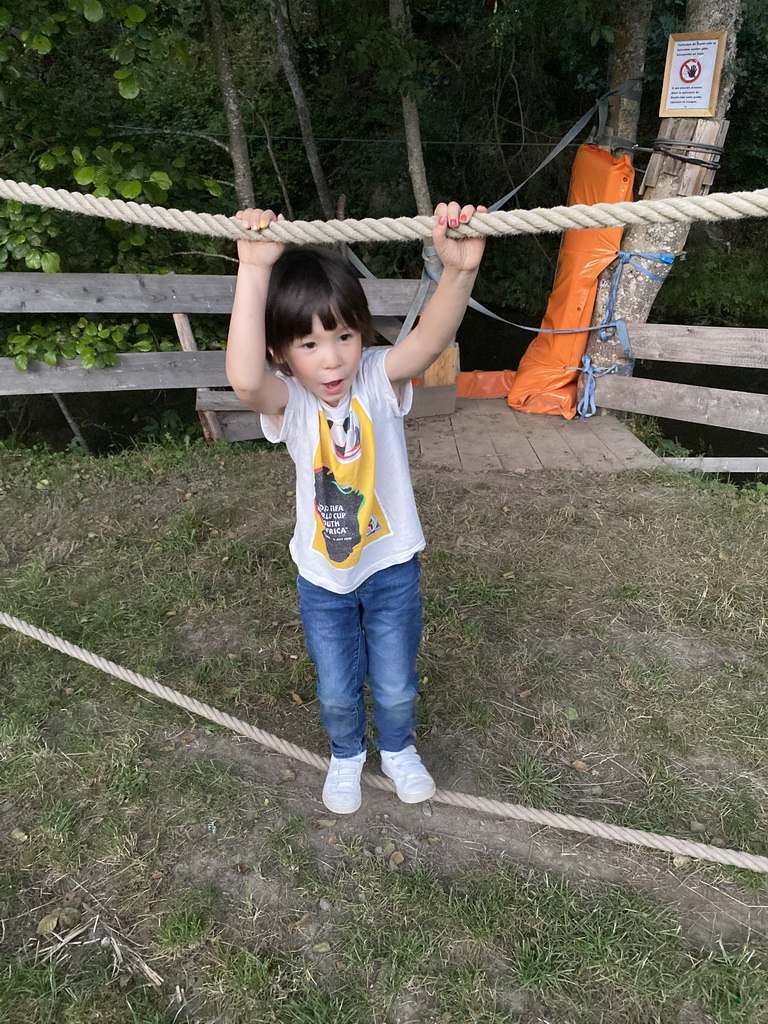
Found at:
(690, 69)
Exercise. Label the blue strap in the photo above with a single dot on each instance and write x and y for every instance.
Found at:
(434, 268)
(608, 320)
(430, 271)
(418, 300)
(625, 258)
(586, 407)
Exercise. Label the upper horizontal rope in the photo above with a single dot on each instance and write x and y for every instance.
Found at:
(679, 210)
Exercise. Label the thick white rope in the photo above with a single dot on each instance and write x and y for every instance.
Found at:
(586, 826)
(682, 209)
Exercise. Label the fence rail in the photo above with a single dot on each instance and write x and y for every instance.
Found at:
(710, 346)
(707, 346)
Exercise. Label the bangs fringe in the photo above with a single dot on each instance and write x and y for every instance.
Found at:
(307, 283)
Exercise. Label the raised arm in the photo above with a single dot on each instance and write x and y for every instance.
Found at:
(247, 372)
(441, 318)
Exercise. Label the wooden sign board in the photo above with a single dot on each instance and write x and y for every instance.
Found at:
(692, 74)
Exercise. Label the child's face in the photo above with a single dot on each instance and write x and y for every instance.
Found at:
(326, 361)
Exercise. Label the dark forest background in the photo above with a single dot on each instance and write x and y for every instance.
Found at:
(125, 100)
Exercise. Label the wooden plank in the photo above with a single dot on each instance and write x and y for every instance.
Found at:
(159, 293)
(623, 443)
(440, 401)
(504, 425)
(219, 401)
(709, 176)
(393, 297)
(211, 427)
(388, 327)
(116, 293)
(694, 178)
(136, 371)
(426, 401)
(593, 454)
(681, 129)
(550, 445)
(444, 369)
(473, 429)
(240, 426)
(437, 443)
(737, 410)
(712, 346)
(724, 464)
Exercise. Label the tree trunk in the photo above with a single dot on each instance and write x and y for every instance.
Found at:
(442, 373)
(276, 167)
(238, 144)
(667, 177)
(631, 38)
(302, 110)
(416, 168)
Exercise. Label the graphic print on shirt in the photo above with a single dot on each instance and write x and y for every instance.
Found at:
(348, 515)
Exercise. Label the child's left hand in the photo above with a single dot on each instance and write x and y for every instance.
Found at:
(457, 253)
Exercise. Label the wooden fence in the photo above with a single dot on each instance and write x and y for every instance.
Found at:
(711, 346)
(180, 295)
(223, 415)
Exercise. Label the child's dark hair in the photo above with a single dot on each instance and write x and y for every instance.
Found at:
(309, 282)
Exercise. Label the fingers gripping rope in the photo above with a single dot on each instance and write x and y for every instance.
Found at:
(681, 209)
(586, 826)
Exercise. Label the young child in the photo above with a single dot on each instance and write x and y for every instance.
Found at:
(299, 353)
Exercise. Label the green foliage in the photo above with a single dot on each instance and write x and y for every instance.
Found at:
(720, 282)
(97, 344)
(648, 430)
(114, 172)
(26, 234)
(496, 85)
(169, 430)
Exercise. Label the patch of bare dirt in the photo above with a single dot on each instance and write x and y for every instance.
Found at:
(445, 838)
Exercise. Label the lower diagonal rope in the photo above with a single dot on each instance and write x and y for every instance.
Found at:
(568, 822)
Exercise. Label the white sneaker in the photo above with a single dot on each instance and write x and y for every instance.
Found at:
(341, 792)
(412, 780)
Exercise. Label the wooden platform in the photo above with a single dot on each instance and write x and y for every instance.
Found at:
(488, 435)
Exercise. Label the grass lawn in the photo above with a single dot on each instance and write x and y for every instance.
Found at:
(595, 645)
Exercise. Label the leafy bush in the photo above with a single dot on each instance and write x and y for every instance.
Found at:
(25, 236)
(97, 344)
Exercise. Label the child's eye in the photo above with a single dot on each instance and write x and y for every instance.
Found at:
(308, 344)
(345, 337)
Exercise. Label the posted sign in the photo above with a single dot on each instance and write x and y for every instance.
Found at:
(692, 74)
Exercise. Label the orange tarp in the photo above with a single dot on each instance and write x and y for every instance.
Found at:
(484, 383)
(542, 382)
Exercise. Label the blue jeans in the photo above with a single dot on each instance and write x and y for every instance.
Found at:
(374, 629)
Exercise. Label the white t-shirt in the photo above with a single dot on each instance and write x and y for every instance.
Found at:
(355, 509)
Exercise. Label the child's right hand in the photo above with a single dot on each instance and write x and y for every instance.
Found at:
(258, 254)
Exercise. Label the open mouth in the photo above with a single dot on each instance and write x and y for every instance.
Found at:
(332, 386)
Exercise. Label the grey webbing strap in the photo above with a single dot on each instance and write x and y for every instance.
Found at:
(601, 107)
(359, 265)
(421, 292)
(433, 267)
(433, 264)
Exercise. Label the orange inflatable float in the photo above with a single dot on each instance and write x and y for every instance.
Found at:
(543, 383)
